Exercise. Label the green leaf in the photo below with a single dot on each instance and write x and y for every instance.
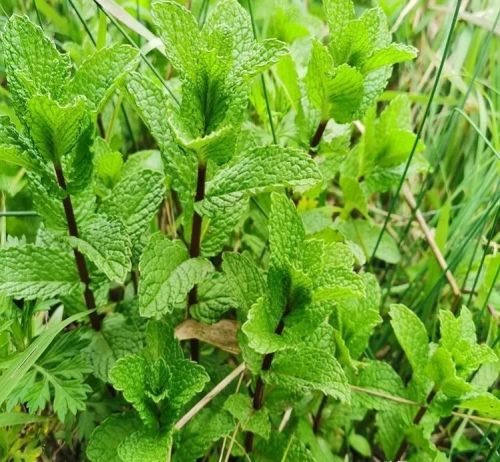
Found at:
(264, 169)
(257, 422)
(145, 444)
(107, 437)
(30, 271)
(441, 370)
(59, 372)
(106, 243)
(12, 148)
(391, 54)
(356, 319)
(23, 362)
(338, 15)
(167, 276)
(412, 336)
(223, 217)
(365, 235)
(117, 338)
(485, 403)
(344, 93)
(306, 369)
(179, 32)
(56, 129)
(33, 64)
(286, 231)
(380, 377)
(98, 76)
(245, 280)
(129, 375)
(260, 326)
(458, 336)
(135, 200)
(180, 166)
(213, 299)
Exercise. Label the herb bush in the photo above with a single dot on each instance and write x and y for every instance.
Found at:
(205, 278)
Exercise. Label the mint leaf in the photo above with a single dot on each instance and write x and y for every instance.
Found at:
(458, 336)
(213, 299)
(107, 437)
(245, 280)
(305, 369)
(98, 75)
(264, 169)
(145, 444)
(106, 243)
(12, 148)
(412, 336)
(33, 64)
(30, 271)
(134, 200)
(356, 319)
(179, 31)
(117, 337)
(56, 129)
(167, 276)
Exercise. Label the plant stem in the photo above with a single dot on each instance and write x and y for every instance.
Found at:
(81, 264)
(258, 397)
(403, 447)
(319, 413)
(194, 249)
(318, 134)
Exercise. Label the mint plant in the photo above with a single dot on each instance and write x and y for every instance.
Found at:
(239, 221)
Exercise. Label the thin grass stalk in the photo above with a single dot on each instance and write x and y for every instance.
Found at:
(420, 129)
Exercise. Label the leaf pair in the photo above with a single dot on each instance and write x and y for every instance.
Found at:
(345, 78)
(158, 383)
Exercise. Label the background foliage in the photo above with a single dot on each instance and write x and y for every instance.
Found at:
(383, 260)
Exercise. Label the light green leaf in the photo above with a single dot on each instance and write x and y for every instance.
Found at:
(180, 165)
(205, 429)
(306, 369)
(179, 31)
(245, 280)
(167, 276)
(391, 54)
(145, 445)
(286, 231)
(98, 76)
(441, 370)
(263, 169)
(358, 318)
(213, 299)
(30, 271)
(412, 336)
(56, 129)
(458, 336)
(10, 419)
(129, 375)
(116, 338)
(33, 64)
(260, 327)
(484, 403)
(106, 243)
(12, 148)
(105, 439)
(344, 93)
(135, 200)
